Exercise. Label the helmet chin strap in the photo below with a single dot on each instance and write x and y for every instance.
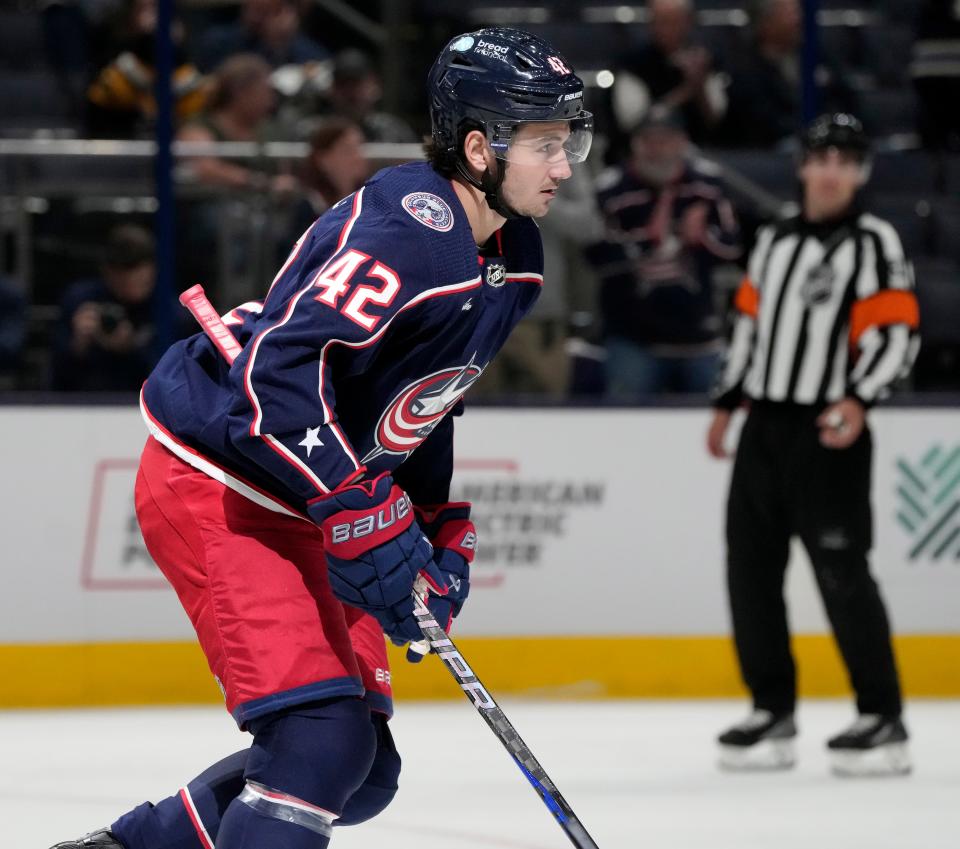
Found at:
(492, 187)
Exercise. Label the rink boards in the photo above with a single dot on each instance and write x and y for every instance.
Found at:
(600, 570)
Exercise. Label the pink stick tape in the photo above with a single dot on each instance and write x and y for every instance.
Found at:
(202, 310)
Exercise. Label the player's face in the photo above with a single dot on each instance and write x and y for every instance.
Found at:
(830, 180)
(538, 164)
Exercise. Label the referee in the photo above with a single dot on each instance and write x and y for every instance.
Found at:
(826, 321)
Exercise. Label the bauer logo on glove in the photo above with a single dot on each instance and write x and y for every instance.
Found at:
(365, 525)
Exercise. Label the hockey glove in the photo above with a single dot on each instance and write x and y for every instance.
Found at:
(454, 540)
(375, 550)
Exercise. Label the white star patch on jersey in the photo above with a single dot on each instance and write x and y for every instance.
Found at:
(312, 439)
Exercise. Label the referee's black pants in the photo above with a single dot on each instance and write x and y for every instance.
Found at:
(786, 483)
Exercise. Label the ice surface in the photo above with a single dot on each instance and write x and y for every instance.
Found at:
(639, 775)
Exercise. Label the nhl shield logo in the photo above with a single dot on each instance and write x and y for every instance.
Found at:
(496, 275)
(817, 287)
(430, 210)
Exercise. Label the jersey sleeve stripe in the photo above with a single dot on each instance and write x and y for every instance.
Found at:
(255, 347)
(525, 278)
(292, 257)
(341, 438)
(354, 215)
(291, 458)
(890, 306)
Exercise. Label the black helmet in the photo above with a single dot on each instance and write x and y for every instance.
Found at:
(840, 130)
(494, 79)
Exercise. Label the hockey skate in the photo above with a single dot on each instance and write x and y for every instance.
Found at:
(873, 745)
(763, 741)
(101, 839)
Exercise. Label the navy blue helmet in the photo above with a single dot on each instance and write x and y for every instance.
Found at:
(839, 130)
(494, 79)
(499, 77)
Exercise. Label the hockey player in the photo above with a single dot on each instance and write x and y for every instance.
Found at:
(289, 498)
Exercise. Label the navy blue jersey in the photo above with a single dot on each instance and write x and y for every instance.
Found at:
(379, 321)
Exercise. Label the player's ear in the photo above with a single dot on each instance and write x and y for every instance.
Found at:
(475, 151)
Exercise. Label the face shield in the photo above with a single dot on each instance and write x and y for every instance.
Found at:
(543, 143)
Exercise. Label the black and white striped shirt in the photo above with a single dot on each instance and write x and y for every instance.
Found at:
(825, 311)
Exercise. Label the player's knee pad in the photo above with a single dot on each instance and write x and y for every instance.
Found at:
(380, 785)
(316, 754)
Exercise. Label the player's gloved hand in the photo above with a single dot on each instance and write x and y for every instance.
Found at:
(375, 551)
(454, 540)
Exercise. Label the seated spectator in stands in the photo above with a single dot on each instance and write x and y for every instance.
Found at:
(238, 110)
(335, 166)
(121, 102)
(672, 69)
(668, 225)
(105, 339)
(354, 93)
(764, 108)
(936, 74)
(269, 28)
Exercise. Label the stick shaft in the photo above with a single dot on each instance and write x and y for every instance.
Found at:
(499, 724)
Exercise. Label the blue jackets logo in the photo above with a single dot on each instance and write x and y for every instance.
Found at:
(430, 210)
(417, 410)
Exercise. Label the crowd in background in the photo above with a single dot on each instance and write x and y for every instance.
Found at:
(643, 247)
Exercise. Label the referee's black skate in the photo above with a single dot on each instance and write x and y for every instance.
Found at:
(101, 839)
(873, 745)
(763, 741)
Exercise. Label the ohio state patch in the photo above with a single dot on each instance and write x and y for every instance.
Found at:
(430, 210)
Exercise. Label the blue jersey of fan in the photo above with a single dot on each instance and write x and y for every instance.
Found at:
(382, 317)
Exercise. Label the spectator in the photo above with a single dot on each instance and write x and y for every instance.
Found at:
(121, 101)
(269, 28)
(668, 226)
(105, 338)
(238, 110)
(672, 69)
(765, 79)
(334, 167)
(355, 92)
(936, 74)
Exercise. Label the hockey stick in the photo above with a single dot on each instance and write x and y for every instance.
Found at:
(196, 301)
(498, 722)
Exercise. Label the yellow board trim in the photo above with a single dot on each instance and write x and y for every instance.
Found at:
(102, 674)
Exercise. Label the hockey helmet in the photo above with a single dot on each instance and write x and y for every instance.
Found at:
(496, 79)
(839, 130)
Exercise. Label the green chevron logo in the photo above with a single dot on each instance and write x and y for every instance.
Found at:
(928, 503)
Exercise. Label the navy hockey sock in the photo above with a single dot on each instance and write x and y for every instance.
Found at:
(191, 818)
(305, 763)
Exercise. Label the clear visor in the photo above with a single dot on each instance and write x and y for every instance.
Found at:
(543, 142)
